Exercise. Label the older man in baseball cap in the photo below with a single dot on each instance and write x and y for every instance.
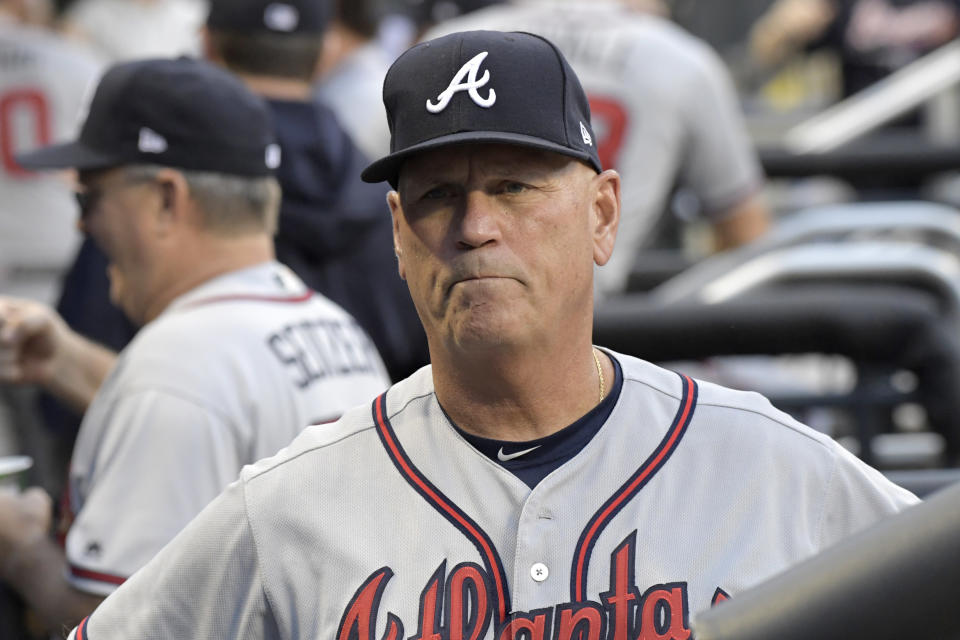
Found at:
(330, 230)
(236, 356)
(526, 485)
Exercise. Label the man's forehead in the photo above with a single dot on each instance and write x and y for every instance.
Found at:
(90, 176)
(499, 158)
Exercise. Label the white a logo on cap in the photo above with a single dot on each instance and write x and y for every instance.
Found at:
(470, 70)
(150, 141)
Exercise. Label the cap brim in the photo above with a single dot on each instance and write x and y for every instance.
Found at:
(388, 167)
(65, 156)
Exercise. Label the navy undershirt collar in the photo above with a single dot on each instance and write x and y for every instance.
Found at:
(550, 452)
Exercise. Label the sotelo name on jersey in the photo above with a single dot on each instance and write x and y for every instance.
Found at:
(461, 605)
(314, 349)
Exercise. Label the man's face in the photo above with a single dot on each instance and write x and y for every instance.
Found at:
(114, 214)
(497, 244)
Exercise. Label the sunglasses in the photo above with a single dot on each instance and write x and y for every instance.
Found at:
(87, 200)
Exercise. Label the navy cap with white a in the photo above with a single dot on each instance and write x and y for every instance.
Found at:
(181, 113)
(484, 86)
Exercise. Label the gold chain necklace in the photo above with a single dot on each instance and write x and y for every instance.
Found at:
(596, 361)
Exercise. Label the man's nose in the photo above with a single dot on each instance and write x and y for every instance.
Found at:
(481, 220)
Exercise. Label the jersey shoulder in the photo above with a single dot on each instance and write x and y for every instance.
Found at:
(318, 443)
(324, 447)
(228, 343)
(743, 430)
(744, 414)
(219, 323)
(173, 337)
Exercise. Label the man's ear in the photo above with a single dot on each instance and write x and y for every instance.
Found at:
(606, 208)
(174, 200)
(396, 212)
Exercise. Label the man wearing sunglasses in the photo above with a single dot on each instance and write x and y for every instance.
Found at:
(237, 355)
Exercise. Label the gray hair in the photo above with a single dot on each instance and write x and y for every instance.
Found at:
(229, 204)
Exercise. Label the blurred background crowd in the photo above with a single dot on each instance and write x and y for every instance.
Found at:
(799, 231)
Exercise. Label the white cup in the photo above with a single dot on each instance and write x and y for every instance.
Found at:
(13, 471)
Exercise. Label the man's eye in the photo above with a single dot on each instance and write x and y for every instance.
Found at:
(514, 187)
(437, 192)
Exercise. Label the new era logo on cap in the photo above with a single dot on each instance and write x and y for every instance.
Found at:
(587, 138)
(272, 156)
(484, 86)
(280, 16)
(277, 17)
(150, 141)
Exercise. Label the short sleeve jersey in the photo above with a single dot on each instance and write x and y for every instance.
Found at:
(229, 373)
(389, 524)
(663, 108)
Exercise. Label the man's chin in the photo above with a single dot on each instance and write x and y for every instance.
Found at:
(485, 330)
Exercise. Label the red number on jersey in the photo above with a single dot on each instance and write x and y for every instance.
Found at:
(609, 120)
(29, 109)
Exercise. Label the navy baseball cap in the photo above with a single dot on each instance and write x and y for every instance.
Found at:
(181, 113)
(484, 86)
(269, 16)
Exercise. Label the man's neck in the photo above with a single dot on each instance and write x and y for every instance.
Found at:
(219, 257)
(273, 88)
(520, 397)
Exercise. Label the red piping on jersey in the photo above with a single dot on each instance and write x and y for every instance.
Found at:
(82, 629)
(248, 298)
(442, 504)
(87, 574)
(581, 559)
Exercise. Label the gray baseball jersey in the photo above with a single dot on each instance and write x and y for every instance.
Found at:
(44, 80)
(663, 109)
(389, 525)
(229, 373)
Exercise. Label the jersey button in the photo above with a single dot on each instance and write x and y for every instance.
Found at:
(539, 572)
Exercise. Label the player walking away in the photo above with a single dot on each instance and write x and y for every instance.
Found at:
(665, 114)
(528, 484)
(236, 356)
